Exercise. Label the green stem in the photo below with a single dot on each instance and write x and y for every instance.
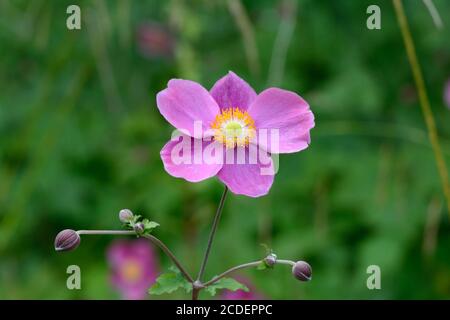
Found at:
(244, 266)
(102, 232)
(195, 293)
(224, 274)
(169, 253)
(423, 97)
(212, 233)
(153, 239)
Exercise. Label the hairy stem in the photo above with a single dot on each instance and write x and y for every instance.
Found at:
(212, 233)
(288, 262)
(243, 266)
(231, 270)
(169, 253)
(195, 293)
(153, 239)
(423, 97)
(111, 232)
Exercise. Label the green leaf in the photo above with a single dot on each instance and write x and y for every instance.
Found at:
(135, 220)
(149, 225)
(169, 282)
(130, 224)
(226, 283)
(262, 266)
(266, 248)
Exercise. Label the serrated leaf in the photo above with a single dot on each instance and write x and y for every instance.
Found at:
(266, 248)
(226, 283)
(169, 282)
(149, 225)
(135, 220)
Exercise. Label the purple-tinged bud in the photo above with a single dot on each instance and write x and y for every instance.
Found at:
(302, 271)
(125, 215)
(139, 228)
(270, 260)
(67, 240)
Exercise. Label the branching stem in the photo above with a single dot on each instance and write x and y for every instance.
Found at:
(244, 266)
(150, 237)
(212, 233)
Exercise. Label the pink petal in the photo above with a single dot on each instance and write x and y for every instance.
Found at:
(251, 178)
(138, 293)
(117, 252)
(187, 158)
(286, 111)
(136, 251)
(233, 92)
(185, 102)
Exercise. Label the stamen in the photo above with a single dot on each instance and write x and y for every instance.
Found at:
(233, 127)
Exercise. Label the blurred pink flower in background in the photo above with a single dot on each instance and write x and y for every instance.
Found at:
(134, 267)
(447, 94)
(155, 41)
(252, 294)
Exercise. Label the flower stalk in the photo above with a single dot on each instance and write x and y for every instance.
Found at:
(106, 232)
(212, 233)
(423, 98)
(196, 289)
(252, 264)
(150, 237)
(169, 253)
(69, 239)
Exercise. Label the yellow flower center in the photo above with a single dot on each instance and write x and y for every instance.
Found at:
(233, 127)
(131, 271)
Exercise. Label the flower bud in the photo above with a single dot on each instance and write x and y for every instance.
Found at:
(67, 240)
(302, 271)
(139, 228)
(125, 215)
(270, 260)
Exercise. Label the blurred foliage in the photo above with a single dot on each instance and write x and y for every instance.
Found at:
(80, 137)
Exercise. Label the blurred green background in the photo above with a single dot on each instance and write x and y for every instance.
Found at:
(80, 137)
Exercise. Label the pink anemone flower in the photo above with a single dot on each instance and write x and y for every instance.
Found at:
(134, 267)
(234, 122)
